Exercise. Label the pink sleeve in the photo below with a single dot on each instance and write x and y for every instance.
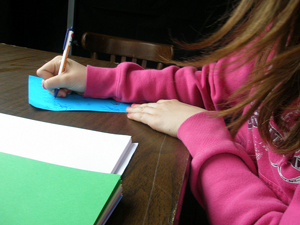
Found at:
(224, 179)
(242, 198)
(129, 82)
(206, 136)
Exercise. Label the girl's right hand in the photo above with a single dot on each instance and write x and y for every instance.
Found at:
(73, 78)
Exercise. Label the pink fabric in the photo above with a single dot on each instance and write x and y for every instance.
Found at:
(237, 181)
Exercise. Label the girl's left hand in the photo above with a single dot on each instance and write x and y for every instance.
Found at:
(165, 115)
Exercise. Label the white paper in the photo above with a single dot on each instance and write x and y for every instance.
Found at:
(66, 146)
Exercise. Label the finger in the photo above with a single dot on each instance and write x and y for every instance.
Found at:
(55, 82)
(63, 92)
(140, 116)
(49, 69)
(163, 100)
(144, 108)
(149, 119)
(67, 91)
(153, 105)
(44, 74)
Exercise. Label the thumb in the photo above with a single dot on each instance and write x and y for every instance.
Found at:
(53, 82)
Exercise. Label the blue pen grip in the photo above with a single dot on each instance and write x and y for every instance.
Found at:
(56, 92)
(66, 37)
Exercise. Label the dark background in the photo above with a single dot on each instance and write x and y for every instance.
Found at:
(42, 24)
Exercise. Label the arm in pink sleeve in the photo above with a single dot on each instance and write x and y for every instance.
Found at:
(129, 82)
(224, 179)
(234, 195)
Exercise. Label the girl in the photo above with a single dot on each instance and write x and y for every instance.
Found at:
(244, 173)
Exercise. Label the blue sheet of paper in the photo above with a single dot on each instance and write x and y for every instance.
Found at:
(41, 98)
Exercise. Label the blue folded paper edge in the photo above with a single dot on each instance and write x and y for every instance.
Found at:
(41, 98)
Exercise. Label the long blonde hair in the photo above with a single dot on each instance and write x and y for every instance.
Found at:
(264, 28)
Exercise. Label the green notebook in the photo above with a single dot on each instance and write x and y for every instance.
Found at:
(34, 192)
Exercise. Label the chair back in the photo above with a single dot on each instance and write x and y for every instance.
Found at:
(128, 49)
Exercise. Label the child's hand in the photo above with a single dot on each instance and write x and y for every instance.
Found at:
(165, 116)
(73, 78)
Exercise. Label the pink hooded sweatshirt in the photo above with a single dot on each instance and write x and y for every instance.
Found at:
(240, 181)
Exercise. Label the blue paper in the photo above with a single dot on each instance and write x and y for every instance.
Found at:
(41, 98)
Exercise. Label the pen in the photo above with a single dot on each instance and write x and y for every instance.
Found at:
(66, 49)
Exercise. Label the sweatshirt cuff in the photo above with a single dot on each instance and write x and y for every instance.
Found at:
(206, 130)
(206, 136)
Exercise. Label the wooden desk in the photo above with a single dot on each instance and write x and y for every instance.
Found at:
(154, 178)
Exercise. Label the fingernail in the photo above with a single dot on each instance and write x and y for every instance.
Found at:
(68, 91)
(43, 85)
(133, 104)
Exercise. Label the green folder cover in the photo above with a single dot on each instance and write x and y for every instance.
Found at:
(34, 192)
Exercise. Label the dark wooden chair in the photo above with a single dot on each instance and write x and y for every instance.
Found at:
(140, 52)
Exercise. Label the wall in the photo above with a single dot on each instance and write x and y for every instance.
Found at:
(42, 24)
(34, 24)
(148, 20)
